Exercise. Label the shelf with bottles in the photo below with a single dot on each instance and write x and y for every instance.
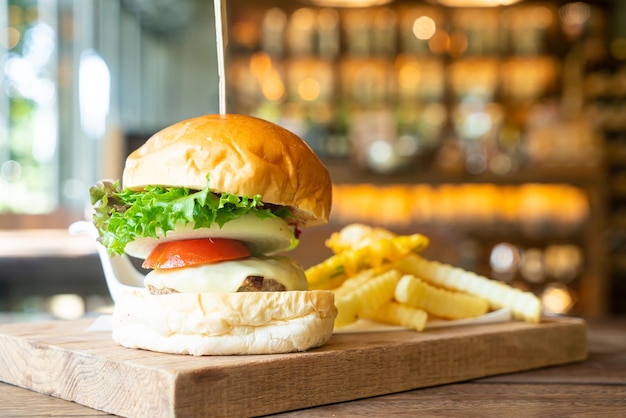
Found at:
(604, 82)
(422, 171)
(410, 83)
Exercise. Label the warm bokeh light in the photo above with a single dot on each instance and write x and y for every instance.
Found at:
(328, 19)
(529, 206)
(309, 89)
(439, 42)
(424, 28)
(409, 76)
(385, 19)
(260, 65)
(576, 13)
(532, 268)
(273, 88)
(477, 3)
(563, 262)
(303, 19)
(525, 18)
(458, 43)
(540, 17)
(557, 299)
(350, 3)
(355, 19)
(275, 18)
(245, 32)
(67, 306)
(574, 17)
(504, 258)
(9, 37)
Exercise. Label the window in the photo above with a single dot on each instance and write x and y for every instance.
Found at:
(81, 83)
(52, 111)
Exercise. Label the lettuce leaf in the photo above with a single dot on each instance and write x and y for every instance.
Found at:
(121, 216)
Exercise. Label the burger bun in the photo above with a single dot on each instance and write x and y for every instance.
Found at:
(243, 155)
(224, 323)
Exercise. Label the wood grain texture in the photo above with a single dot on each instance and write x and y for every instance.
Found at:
(18, 402)
(484, 401)
(64, 360)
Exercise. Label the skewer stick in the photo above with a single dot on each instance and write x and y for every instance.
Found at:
(221, 73)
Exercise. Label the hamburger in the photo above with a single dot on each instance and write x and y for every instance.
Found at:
(209, 205)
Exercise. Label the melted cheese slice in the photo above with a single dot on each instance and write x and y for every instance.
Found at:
(227, 276)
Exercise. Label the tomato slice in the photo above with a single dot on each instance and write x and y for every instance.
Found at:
(191, 252)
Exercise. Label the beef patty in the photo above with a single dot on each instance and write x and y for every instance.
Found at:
(250, 284)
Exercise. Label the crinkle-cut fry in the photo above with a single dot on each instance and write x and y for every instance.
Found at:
(440, 302)
(347, 310)
(355, 235)
(391, 249)
(395, 313)
(331, 272)
(361, 278)
(355, 301)
(523, 305)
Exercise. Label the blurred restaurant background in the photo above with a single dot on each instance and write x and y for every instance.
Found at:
(499, 131)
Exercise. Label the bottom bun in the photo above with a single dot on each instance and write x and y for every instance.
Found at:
(224, 323)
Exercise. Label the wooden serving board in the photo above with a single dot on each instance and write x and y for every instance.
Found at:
(65, 360)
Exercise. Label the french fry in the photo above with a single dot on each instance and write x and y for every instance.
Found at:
(523, 305)
(395, 313)
(362, 296)
(333, 271)
(377, 274)
(361, 278)
(354, 236)
(442, 303)
(347, 310)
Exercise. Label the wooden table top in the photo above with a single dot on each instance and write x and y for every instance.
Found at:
(595, 387)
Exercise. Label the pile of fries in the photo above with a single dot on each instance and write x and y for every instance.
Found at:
(378, 275)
